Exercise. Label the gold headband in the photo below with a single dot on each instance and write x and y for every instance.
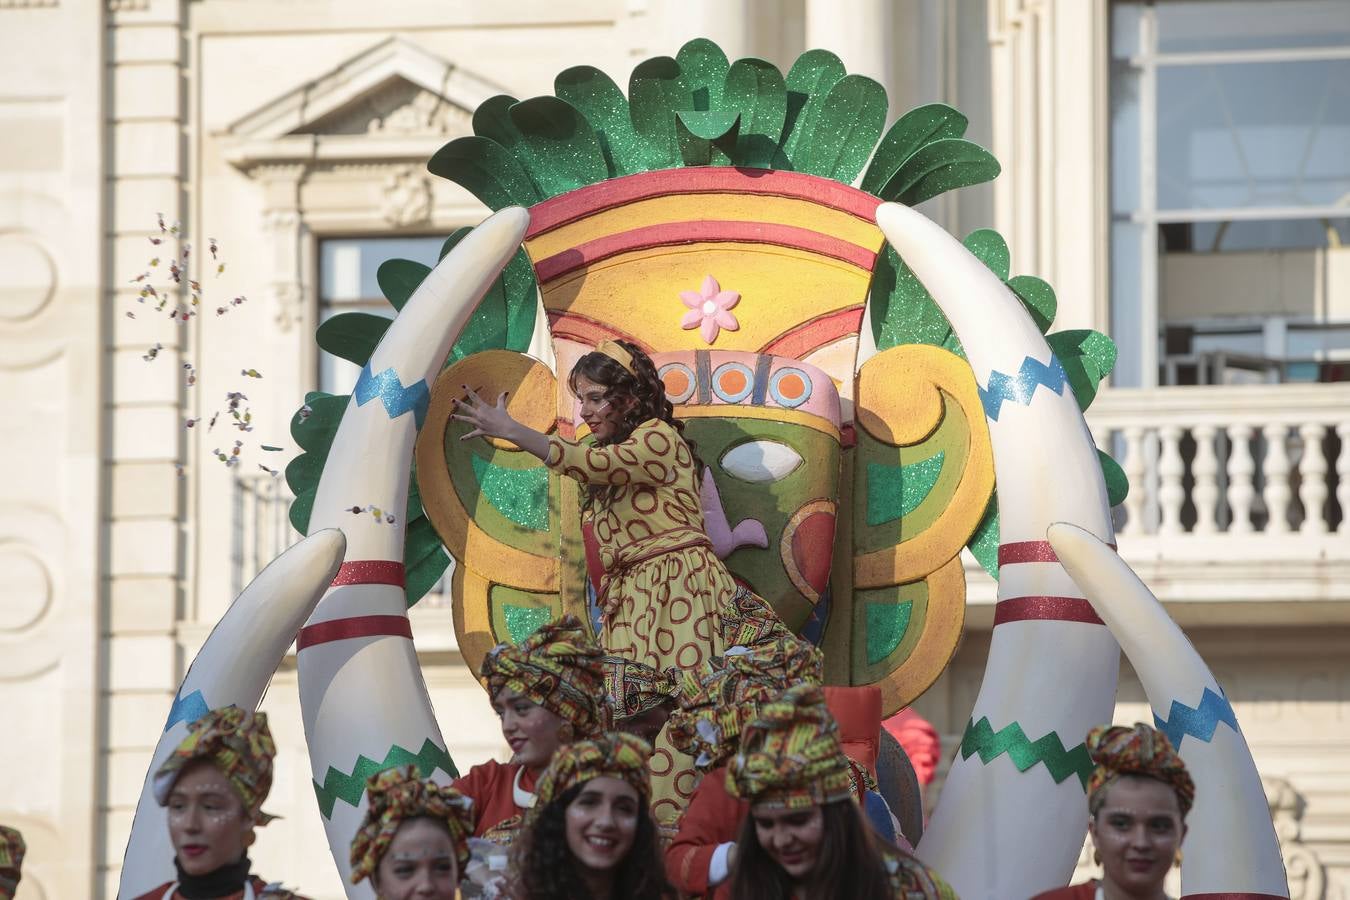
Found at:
(616, 352)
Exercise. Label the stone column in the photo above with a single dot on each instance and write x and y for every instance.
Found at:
(859, 32)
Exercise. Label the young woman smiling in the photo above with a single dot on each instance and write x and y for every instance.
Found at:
(591, 835)
(214, 786)
(413, 844)
(805, 837)
(1138, 798)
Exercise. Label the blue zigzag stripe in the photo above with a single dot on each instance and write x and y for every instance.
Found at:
(1019, 388)
(396, 398)
(1199, 722)
(187, 709)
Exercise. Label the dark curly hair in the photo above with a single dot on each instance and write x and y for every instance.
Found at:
(643, 384)
(543, 868)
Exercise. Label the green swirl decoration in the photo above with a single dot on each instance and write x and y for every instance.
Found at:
(349, 788)
(981, 738)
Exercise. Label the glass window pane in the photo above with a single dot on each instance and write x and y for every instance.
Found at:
(1206, 25)
(1125, 138)
(347, 266)
(1125, 23)
(1126, 302)
(1254, 134)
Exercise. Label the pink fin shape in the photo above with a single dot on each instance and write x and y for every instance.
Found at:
(725, 539)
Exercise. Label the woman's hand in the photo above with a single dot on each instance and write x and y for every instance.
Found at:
(492, 420)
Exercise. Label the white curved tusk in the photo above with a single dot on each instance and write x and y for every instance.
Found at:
(232, 668)
(1231, 848)
(364, 700)
(1000, 830)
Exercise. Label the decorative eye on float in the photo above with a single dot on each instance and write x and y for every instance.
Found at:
(761, 461)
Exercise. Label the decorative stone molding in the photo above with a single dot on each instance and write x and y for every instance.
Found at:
(407, 198)
(1307, 878)
(34, 4)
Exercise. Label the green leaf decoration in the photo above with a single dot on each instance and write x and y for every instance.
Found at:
(1117, 485)
(845, 130)
(563, 144)
(654, 96)
(756, 90)
(315, 434)
(706, 138)
(1038, 297)
(703, 74)
(424, 559)
(911, 132)
(903, 312)
(1087, 357)
(492, 120)
(399, 278)
(989, 248)
(352, 336)
(938, 167)
(485, 169)
(599, 99)
(983, 543)
(808, 83)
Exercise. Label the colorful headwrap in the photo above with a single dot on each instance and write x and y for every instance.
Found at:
(616, 352)
(12, 849)
(396, 795)
(790, 756)
(750, 621)
(239, 744)
(634, 688)
(720, 697)
(616, 755)
(1140, 750)
(557, 667)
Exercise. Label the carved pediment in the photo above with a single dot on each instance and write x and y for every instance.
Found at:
(398, 107)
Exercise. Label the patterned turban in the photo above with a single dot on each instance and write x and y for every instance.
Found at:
(724, 693)
(634, 688)
(750, 621)
(239, 744)
(12, 849)
(1140, 750)
(616, 755)
(790, 756)
(396, 795)
(558, 667)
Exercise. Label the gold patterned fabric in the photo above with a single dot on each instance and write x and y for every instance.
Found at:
(790, 756)
(750, 621)
(1140, 750)
(12, 849)
(614, 755)
(634, 688)
(239, 744)
(396, 795)
(559, 668)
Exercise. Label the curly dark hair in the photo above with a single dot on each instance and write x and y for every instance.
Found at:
(643, 384)
(543, 868)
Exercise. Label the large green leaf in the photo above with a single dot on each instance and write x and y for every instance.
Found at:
(703, 75)
(1117, 484)
(492, 120)
(654, 95)
(315, 433)
(1038, 297)
(990, 248)
(424, 559)
(399, 279)
(1087, 357)
(940, 166)
(487, 170)
(808, 83)
(603, 104)
(903, 312)
(562, 144)
(912, 131)
(352, 336)
(707, 138)
(845, 130)
(983, 543)
(757, 91)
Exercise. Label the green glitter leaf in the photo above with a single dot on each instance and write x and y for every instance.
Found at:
(1025, 753)
(707, 138)
(912, 131)
(424, 559)
(603, 104)
(352, 336)
(894, 492)
(1038, 297)
(983, 543)
(845, 130)
(989, 248)
(703, 75)
(492, 120)
(1117, 484)
(523, 621)
(903, 312)
(757, 91)
(315, 433)
(886, 627)
(521, 495)
(808, 83)
(399, 279)
(504, 318)
(937, 167)
(486, 170)
(654, 95)
(1087, 357)
(561, 143)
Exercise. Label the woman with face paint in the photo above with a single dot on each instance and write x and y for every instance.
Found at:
(547, 691)
(805, 837)
(214, 786)
(413, 844)
(1138, 798)
(661, 588)
(592, 836)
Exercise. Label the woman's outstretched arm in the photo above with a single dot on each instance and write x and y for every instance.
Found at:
(494, 421)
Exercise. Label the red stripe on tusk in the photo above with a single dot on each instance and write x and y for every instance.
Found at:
(1051, 609)
(370, 571)
(355, 627)
(1028, 552)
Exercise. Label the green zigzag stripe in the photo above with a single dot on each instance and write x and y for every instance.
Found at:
(349, 788)
(981, 738)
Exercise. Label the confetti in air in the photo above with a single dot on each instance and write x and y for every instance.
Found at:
(376, 513)
(191, 422)
(270, 449)
(275, 473)
(153, 352)
(250, 373)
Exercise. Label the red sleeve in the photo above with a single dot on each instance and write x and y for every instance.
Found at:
(489, 786)
(157, 893)
(712, 818)
(1085, 891)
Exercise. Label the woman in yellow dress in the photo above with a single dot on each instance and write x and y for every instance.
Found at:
(664, 590)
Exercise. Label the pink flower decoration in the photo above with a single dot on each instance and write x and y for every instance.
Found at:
(710, 308)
